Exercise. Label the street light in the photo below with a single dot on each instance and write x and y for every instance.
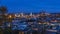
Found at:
(10, 16)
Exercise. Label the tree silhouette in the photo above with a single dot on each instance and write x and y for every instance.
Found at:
(3, 10)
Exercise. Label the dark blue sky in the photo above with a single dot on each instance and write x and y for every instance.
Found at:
(31, 5)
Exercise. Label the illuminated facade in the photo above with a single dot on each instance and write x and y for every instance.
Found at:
(25, 23)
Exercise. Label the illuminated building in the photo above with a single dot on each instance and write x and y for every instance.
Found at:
(30, 22)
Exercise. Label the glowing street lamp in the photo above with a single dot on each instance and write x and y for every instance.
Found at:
(10, 16)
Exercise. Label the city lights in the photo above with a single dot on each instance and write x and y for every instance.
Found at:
(29, 16)
(29, 22)
(10, 16)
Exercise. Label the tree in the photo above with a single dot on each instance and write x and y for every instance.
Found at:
(3, 10)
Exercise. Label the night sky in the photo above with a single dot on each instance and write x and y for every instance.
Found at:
(31, 5)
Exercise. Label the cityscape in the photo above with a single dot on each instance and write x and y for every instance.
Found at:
(29, 23)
